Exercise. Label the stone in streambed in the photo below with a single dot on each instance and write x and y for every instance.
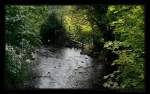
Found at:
(55, 67)
(82, 62)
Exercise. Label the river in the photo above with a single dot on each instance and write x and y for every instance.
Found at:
(64, 68)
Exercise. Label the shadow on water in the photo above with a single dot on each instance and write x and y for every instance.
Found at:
(64, 68)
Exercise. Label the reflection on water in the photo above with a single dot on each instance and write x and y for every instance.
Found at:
(64, 68)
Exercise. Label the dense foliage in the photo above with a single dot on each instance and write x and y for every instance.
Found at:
(128, 44)
(52, 31)
(77, 25)
(22, 35)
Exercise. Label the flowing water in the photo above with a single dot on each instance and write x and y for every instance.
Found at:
(64, 68)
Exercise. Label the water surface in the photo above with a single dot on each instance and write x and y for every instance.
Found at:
(64, 68)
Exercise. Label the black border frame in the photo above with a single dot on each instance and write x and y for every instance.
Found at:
(69, 2)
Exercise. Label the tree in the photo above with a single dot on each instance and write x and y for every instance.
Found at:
(52, 31)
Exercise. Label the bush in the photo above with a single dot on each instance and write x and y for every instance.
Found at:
(52, 31)
(21, 39)
(130, 48)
